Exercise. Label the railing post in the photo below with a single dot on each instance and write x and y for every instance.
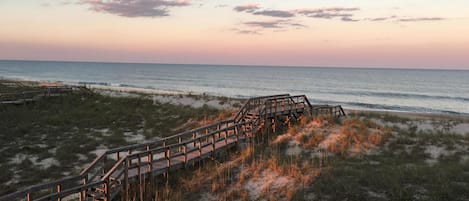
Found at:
(28, 196)
(168, 158)
(185, 154)
(193, 137)
(130, 153)
(236, 130)
(140, 182)
(126, 180)
(179, 141)
(150, 161)
(200, 148)
(226, 136)
(297, 102)
(59, 188)
(106, 191)
(83, 192)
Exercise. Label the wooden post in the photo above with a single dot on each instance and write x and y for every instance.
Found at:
(168, 158)
(200, 148)
(130, 153)
(148, 149)
(83, 192)
(236, 132)
(150, 161)
(283, 105)
(296, 103)
(28, 196)
(193, 137)
(126, 181)
(185, 154)
(59, 188)
(213, 144)
(226, 136)
(117, 156)
(179, 141)
(140, 183)
(106, 191)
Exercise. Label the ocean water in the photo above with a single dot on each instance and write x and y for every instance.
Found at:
(428, 91)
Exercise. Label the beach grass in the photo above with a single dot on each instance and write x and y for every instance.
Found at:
(406, 163)
(412, 165)
(58, 136)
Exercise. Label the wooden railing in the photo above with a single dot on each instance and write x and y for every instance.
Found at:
(336, 111)
(29, 96)
(113, 170)
(254, 103)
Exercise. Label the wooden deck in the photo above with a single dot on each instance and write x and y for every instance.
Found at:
(110, 175)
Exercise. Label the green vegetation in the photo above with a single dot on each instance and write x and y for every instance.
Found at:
(56, 136)
(4, 88)
(412, 165)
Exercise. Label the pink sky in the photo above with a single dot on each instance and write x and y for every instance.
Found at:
(368, 33)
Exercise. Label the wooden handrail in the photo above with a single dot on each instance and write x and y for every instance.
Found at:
(94, 163)
(39, 187)
(113, 169)
(239, 115)
(70, 191)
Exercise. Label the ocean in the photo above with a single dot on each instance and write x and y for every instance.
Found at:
(404, 90)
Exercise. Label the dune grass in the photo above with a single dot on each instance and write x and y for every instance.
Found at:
(58, 128)
(394, 163)
(411, 165)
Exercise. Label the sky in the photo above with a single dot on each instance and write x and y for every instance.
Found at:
(337, 33)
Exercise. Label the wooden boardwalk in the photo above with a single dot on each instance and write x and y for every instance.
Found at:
(111, 175)
(32, 96)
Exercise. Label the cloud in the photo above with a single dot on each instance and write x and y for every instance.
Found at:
(257, 27)
(265, 24)
(273, 24)
(330, 15)
(275, 13)
(349, 19)
(379, 19)
(246, 32)
(395, 18)
(342, 13)
(419, 19)
(135, 8)
(246, 8)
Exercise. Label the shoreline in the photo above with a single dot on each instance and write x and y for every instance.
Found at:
(162, 95)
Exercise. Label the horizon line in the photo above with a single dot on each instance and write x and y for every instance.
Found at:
(235, 65)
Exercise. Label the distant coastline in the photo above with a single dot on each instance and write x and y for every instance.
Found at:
(395, 90)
